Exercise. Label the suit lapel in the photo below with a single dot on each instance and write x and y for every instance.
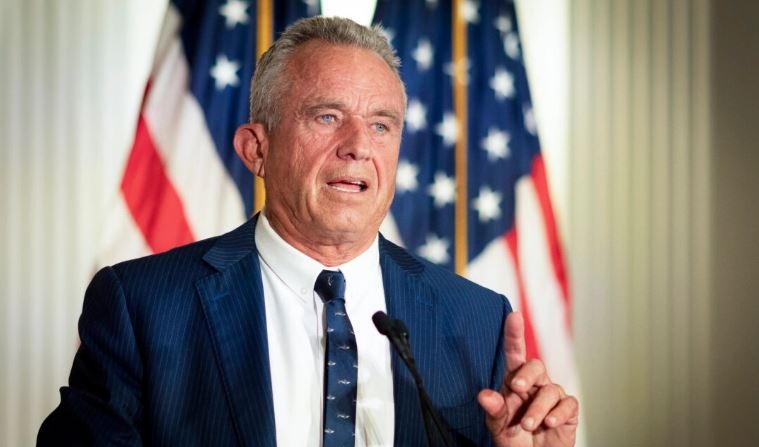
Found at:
(232, 300)
(411, 300)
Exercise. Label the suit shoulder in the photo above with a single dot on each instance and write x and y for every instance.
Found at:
(439, 278)
(200, 256)
(449, 283)
(180, 257)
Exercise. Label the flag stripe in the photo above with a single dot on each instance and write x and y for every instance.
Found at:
(549, 311)
(151, 197)
(181, 136)
(121, 238)
(494, 269)
(540, 182)
(512, 243)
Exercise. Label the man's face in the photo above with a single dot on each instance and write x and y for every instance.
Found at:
(329, 167)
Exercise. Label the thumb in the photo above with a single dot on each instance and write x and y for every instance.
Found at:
(493, 403)
(496, 412)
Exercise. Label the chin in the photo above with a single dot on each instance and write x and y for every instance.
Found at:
(351, 223)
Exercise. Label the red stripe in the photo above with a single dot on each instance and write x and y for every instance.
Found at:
(151, 197)
(512, 244)
(540, 181)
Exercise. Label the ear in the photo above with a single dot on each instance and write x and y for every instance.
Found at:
(251, 143)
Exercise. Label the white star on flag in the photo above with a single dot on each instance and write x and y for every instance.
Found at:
(496, 144)
(502, 83)
(225, 72)
(448, 129)
(405, 178)
(234, 12)
(502, 24)
(529, 120)
(313, 7)
(488, 204)
(416, 115)
(442, 189)
(468, 11)
(511, 45)
(435, 249)
(389, 35)
(423, 54)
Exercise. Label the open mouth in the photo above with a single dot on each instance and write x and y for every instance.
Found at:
(349, 185)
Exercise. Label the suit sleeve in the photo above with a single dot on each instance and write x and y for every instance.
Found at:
(102, 404)
(499, 363)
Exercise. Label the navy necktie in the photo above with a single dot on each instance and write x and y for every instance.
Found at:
(340, 363)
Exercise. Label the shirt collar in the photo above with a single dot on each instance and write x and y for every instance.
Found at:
(299, 271)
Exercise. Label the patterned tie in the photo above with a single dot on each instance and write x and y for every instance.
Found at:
(340, 363)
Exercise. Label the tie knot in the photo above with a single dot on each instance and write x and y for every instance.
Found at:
(330, 285)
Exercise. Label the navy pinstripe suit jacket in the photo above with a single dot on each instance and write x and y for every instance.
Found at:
(174, 350)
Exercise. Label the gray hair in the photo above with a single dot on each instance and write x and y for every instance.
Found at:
(269, 82)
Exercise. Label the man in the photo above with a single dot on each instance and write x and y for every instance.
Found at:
(223, 342)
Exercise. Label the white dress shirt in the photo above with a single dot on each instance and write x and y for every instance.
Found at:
(295, 329)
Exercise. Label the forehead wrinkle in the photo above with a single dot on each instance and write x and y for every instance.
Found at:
(318, 103)
(300, 69)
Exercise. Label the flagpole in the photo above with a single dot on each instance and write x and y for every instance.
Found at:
(460, 108)
(264, 36)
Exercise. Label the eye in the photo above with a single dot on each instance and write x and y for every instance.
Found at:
(380, 127)
(327, 118)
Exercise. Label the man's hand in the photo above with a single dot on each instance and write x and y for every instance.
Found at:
(529, 410)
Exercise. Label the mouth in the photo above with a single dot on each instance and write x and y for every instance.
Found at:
(348, 185)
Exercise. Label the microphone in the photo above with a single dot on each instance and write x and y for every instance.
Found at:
(383, 323)
(396, 332)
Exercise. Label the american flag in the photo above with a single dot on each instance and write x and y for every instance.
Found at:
(182, 180)
(471, 190)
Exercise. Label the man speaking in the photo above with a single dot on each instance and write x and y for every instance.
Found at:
(264, 336)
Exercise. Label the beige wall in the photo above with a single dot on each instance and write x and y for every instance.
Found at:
(735, 222)
(639, 221)
(72, 75)
(663, 243)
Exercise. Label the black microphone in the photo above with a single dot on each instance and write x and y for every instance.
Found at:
(383, 323)
(398, 338)
(396, 332)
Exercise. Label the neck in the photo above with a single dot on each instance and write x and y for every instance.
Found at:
(328, 249)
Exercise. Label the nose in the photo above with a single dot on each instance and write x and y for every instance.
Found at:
(355, 142)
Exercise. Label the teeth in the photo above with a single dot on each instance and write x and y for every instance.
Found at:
(361, 185)
(350, 185)
(358, 183)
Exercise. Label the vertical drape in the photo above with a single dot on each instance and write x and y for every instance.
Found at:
(71, 79)
(639, 212)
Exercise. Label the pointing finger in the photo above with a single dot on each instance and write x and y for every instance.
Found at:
(514, 345)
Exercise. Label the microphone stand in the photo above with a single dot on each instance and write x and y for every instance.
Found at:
(396, 332)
